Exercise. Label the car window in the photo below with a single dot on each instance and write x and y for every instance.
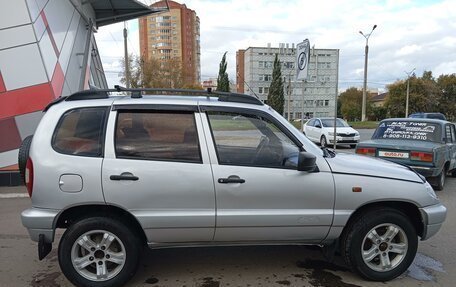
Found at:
(311, 123)
(154, 135)
(330, 123)
(317, 123)
(244, 139)
(408, 130)
(453, 133)
(81, 132)
(448, 134)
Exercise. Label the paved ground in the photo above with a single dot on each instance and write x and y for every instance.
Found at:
(435, 264)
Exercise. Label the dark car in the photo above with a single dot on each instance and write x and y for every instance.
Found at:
(426, 145)
(437, 116)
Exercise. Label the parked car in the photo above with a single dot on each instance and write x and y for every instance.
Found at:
(437, 116)
(321, 130)
(206, 169)
(426, 145)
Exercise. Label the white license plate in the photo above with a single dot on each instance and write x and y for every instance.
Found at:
(393, 154)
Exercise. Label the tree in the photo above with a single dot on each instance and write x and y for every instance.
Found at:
(424, 95)
(223, 83)
(276, 97)
(351, 103)
(447, 102)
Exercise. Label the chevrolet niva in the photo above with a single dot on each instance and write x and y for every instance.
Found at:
(122, 169)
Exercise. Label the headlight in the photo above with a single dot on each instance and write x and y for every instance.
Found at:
(331, 133)
(356, 134)
(430, 190)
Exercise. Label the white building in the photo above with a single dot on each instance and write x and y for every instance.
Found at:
(254, 75)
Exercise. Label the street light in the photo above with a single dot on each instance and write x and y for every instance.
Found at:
(366, 52)
(408, 88)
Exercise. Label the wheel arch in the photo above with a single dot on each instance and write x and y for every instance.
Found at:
(76, 213)
(410, 210)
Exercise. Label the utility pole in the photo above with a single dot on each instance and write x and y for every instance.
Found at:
(335, 101)
(127, 64)
(289, 95)
(408, 89)
(366, 53)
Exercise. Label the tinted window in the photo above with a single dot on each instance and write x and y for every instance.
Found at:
(170, 136)
(81, 132)
(408, 130)
(243, 139)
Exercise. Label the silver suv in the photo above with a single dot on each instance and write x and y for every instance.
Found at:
(194, 168)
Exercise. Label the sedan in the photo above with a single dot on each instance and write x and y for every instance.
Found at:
(426, 145)
(321, 130)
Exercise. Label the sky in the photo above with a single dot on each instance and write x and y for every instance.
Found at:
(419, 34)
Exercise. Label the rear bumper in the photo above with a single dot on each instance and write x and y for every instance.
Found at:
(426, 171)
(40, 221)
(433, 217)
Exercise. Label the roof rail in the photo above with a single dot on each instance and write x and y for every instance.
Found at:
(138, 92)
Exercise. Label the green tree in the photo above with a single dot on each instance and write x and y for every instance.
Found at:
(276, 97)
(351, 103)
(424, 95)
(223, 83)
(447, 102)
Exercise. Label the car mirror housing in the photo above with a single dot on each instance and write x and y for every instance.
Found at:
(318, 126)
(307, 162)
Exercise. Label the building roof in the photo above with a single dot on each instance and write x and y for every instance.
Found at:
(379, 97)
(113, 11)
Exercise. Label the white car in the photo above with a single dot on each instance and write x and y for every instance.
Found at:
(321, 130)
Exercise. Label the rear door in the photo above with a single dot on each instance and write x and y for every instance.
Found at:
(451, 144)
(157, 167)
(260, 195)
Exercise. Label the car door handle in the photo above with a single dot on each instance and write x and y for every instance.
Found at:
(231, 179)
(124, 176)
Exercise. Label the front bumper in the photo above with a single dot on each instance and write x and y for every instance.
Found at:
(343, 140)
(40, 221)
(433, 217)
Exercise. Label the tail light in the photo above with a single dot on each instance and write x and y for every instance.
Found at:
(29, 176)
(421, 156)
(370, 151)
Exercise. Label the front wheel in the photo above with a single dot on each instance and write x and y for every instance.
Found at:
(99, 251)
(323, 141)
(380, 245)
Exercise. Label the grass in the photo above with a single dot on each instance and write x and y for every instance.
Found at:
(364, 125)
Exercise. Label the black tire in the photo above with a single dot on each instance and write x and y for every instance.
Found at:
(323, 141)
(352, 146)
(356, 232)
(130, 240)
(453, 173)
(23, 155)
(439, 181)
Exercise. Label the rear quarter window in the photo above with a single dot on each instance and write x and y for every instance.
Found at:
(81, 132)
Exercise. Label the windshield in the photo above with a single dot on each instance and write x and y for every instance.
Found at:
(408, 130)
(330, 123)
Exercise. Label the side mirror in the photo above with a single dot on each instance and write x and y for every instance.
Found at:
(307, 162)
(318, 126)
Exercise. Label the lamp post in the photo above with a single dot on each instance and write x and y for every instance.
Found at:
(366, 52)
(408, 89)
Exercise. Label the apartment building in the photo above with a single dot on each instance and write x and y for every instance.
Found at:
(174, 34)
(313, 97)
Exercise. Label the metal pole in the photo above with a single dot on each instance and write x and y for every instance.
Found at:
(363, 109)
(335, 100)
(302, 111)
(127, 64)
(289, 95)
(407, 100)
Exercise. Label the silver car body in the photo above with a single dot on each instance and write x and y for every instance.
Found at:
(182, 204)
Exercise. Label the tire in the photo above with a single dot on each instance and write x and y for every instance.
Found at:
(323, 141)
(356, 244)
(352, 146)
(440, 180)
(23, 155)
(119, 259)
(453, 173)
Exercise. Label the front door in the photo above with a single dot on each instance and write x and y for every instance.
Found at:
(260, 195)
(156, 166)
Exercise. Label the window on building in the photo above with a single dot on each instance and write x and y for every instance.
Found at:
(260, 90)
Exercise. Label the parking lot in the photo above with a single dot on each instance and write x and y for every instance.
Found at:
(228, 266)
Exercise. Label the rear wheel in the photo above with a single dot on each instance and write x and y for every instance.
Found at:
(99, 251)
(440, 180)
(380, 245)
